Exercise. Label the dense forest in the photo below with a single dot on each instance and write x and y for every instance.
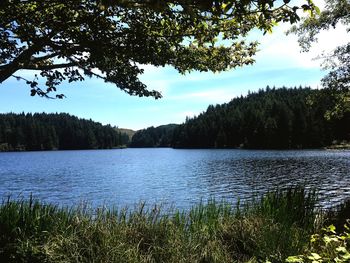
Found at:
(161, 136)
(41, 131)
(268, 119)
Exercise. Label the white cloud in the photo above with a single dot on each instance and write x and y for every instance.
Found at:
(217, 95)
(204, 76)
(279, 49)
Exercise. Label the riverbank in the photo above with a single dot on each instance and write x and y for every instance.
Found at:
(339, 146)
(5, 148)
(271, 228)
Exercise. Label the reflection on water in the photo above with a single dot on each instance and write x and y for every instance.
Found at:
(175, 177)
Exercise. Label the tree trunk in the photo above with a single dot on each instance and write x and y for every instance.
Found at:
(7, 72)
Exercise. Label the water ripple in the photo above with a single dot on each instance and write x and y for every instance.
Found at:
(172, 177)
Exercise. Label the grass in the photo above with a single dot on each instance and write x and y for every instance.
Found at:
(272, 228)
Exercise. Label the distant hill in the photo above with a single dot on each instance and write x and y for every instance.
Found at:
(128, 132)
(268, 119)
(42, 131)
(160, 136)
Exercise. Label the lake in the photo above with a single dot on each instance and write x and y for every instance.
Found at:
(173, 177)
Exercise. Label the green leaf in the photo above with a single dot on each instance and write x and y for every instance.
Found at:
(317, 10)
(314, 256)
(226, 7)
(330, 229)
(341, 249)
(295, 259)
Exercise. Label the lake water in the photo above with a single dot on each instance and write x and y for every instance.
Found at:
(172, 177)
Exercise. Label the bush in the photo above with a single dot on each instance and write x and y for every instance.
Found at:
(326, 247)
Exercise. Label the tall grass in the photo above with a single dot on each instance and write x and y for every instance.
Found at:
(273, 227)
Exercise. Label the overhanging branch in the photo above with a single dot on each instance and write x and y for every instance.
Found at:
(49, 67)
(37, 59)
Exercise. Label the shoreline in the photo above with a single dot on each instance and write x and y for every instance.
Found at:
(342, 146)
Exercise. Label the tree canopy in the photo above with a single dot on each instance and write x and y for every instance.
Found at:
(67, 40)
(336, 12)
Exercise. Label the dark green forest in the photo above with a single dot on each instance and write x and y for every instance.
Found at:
(268, 119)
(284, 118)
(41, 131)
(160, 136)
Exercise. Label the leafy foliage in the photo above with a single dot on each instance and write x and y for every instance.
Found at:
(326, 247)
(55, 131)
(338, 61)
(109, 39)
(272, 118)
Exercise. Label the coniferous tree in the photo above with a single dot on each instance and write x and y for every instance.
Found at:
(271, 119)
(41, 131)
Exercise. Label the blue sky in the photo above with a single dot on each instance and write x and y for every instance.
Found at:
(279, 62)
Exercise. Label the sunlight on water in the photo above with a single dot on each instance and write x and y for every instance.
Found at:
(177, 178)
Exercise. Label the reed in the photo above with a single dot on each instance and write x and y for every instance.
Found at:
(271, 228)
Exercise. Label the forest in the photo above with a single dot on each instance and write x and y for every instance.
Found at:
(160, 136)
(42, 131)
(272, 118)
(268, 119)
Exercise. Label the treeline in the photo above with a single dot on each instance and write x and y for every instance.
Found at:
(268, 119)
(41, 131)
(161, 136)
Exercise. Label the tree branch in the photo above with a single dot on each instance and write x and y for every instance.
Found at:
(87, 71)
(7, 70)
(37, 59)
(48, 67)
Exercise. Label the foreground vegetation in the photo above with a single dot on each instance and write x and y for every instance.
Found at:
(272, 228)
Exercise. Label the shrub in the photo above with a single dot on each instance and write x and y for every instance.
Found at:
(326, 247)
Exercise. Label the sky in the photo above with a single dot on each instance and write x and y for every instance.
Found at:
(278, 63)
